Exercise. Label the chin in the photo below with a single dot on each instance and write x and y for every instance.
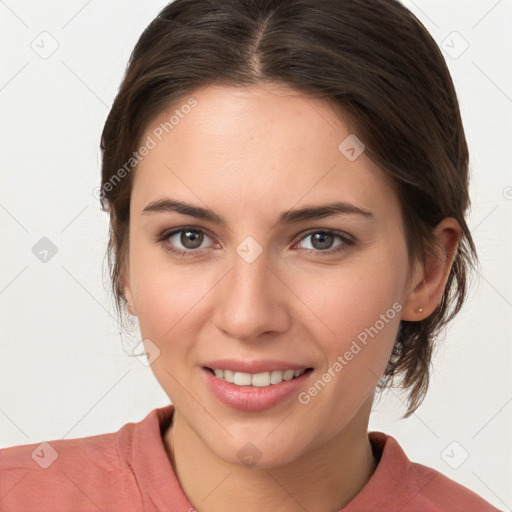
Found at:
(258, 452)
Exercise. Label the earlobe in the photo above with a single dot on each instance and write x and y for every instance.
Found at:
(129, 301)
(131, 308)
(416, 305)
(426, 296)
(127, 291)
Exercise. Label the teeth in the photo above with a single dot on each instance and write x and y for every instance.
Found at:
(243, 379)
(276, 377)
(229, 376)
(257, 379)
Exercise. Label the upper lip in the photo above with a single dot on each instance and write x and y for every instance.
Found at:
(255, 366)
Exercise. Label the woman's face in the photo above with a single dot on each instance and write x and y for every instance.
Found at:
(299, 291)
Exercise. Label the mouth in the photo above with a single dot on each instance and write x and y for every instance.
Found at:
(255, 392)
(262, 379)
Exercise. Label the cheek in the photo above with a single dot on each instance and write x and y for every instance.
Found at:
(171, 310)
(356, 334)
(171, 298)
(350, 298)
(353, 313)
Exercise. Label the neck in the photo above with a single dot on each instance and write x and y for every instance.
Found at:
(322, 480)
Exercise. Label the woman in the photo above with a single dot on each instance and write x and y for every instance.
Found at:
(287, 182)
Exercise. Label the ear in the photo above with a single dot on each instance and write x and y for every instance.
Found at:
(127, 290)
(433, 277)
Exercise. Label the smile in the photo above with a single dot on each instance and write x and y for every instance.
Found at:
(262, 379)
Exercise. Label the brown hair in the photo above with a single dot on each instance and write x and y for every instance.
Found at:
(371, 58)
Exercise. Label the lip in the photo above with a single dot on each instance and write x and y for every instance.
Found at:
(252, 398)
(259, 366)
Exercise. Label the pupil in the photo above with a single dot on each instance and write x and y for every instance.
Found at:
(321, 237)
(196, 239)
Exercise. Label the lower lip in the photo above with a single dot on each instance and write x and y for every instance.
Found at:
(253, 398)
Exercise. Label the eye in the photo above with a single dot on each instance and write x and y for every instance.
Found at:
(186, 241)
(322, 242)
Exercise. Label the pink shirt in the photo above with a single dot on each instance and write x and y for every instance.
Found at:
(129, 470)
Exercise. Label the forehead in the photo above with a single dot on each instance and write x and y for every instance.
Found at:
(265, 146)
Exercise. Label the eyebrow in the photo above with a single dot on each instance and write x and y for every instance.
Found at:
(287, 217)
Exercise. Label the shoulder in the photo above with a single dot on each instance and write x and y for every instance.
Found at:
(435, 491)
(68, 474)
(401, 484)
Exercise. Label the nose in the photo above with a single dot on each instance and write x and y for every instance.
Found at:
(251, 300)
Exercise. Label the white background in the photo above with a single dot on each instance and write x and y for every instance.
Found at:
(63, 372)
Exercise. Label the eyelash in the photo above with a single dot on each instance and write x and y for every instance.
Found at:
(348, 241)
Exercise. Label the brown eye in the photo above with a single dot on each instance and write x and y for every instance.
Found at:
(186, 241)
(324, 241)
(191, 239)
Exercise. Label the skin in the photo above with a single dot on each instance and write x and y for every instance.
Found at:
(249, 154)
